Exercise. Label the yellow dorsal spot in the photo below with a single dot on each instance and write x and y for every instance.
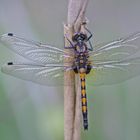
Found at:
(82, 75)
(84, 101)
(83, 92)
(83, 83)
(84, 109)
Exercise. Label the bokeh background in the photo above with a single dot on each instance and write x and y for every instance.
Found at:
(32, 112)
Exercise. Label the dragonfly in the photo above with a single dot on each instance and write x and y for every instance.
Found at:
(104, 64)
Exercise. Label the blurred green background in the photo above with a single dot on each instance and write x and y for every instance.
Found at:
(32, 112)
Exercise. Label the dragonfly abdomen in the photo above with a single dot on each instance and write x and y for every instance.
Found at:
(84, 101)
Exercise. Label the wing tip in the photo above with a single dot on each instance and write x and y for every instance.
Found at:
(3, 37)
(7, 34)
(5, 68)
(7, 38)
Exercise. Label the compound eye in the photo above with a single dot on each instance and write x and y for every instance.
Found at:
(83, 36)
(75, 37)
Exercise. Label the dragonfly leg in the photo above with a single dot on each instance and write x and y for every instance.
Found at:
(90, 36)
(88, 39)
(91, 47)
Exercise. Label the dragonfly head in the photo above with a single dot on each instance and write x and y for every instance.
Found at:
(79, 37)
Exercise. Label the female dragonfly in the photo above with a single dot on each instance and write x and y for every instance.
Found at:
(104, 64)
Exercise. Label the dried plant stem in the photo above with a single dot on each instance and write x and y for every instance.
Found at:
(69, 95)
(72, 99)
(77, 117)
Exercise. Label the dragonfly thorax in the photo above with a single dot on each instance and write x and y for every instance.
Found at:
(80, 47)
(82, 64)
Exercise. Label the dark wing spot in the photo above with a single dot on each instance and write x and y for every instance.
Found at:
(10, 63)
(10, 34)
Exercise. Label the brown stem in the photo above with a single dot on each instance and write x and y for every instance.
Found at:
(69, 95)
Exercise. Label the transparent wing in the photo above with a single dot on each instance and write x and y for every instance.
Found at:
(52, 75)
(37, 52)
(116, 50)
(113, 72)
